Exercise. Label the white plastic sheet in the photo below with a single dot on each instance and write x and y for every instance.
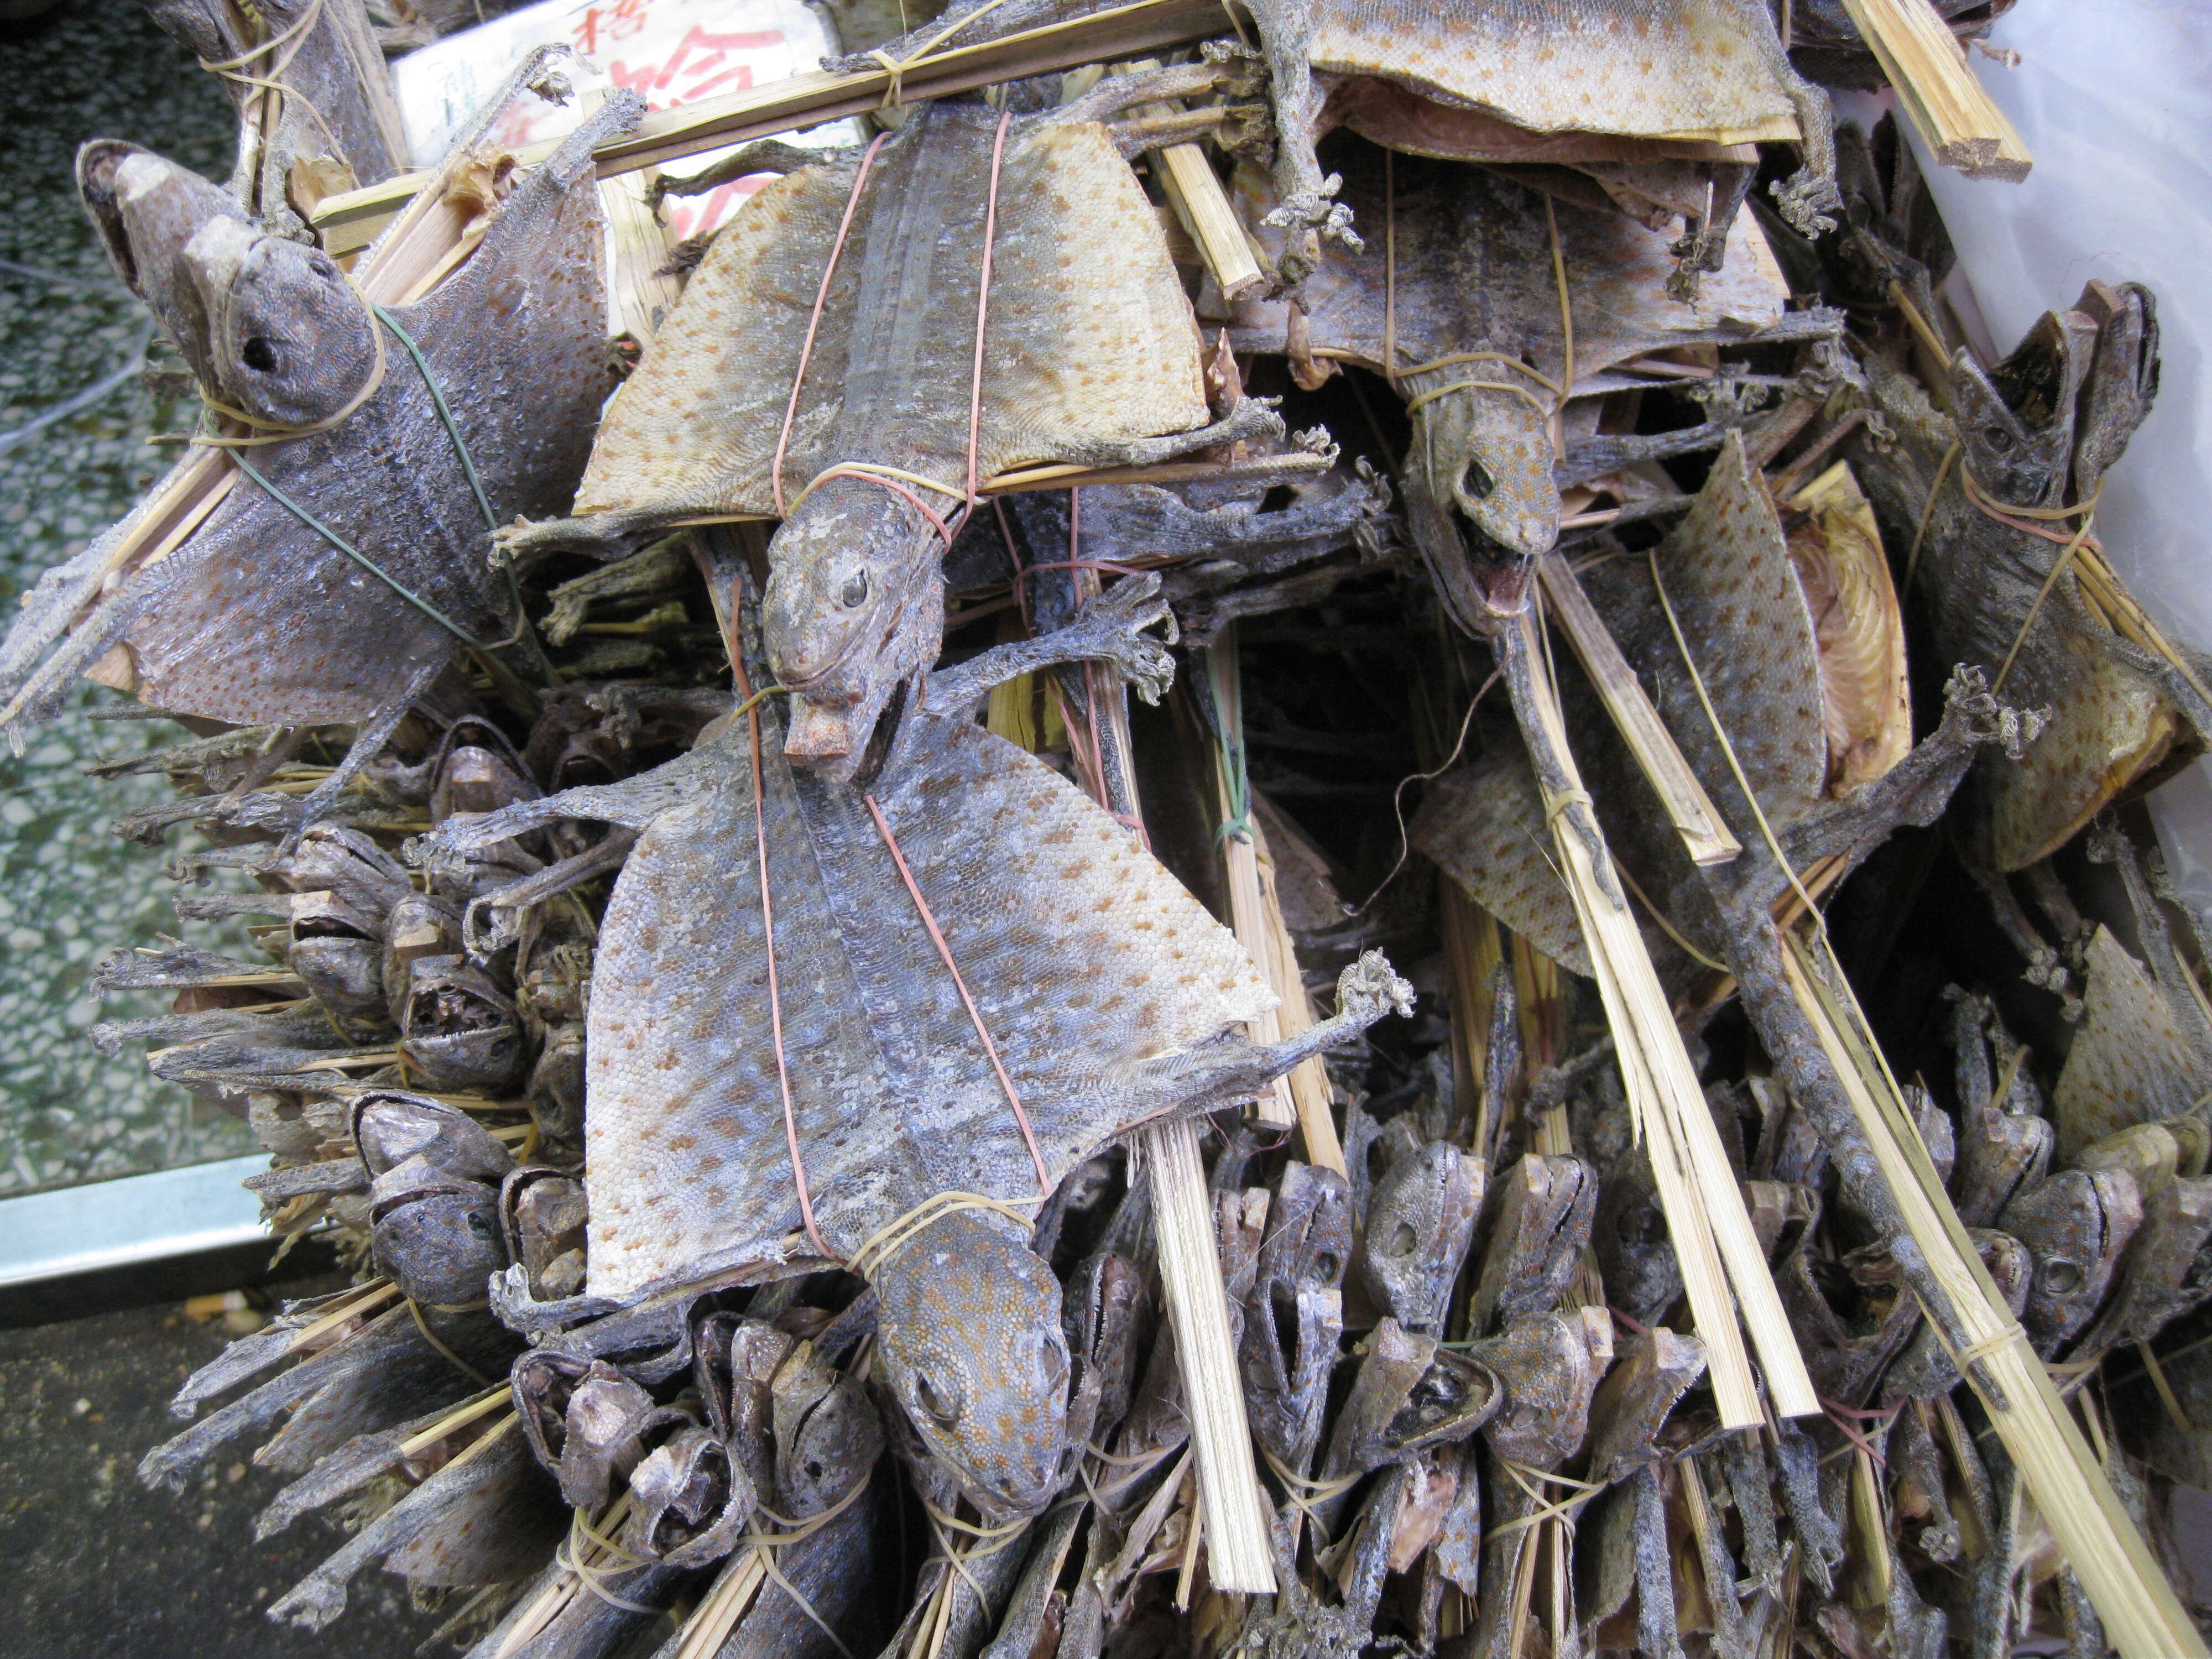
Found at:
(2114, 100)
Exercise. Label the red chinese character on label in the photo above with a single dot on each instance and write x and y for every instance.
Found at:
(688, 219)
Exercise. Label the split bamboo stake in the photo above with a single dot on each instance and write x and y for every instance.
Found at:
(1235, 1514)
(1947, 106)
(1240, 1559)
(1193, 190)
(1711, 1230)
(2141, 1614)
(1312, 1096)
(351, 221)
(641, 290)
(1705, 834)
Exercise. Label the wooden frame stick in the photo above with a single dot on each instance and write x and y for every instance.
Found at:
(1947, 106)
(1704, 833)
(351, 221)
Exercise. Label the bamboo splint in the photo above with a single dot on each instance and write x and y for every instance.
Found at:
(1301, 1097)
(1194, 192)
(349, 222)
(1947, 104)
(1233, 1508)
(1723, 1269)
(1705, 834)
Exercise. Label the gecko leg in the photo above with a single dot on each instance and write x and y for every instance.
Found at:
(633, 803)
(603, 536)
(1253, 420)
(369, 741)
(1109, 629)
(1204, 1078)
(762, 156)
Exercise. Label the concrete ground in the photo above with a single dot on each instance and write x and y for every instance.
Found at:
(95, 1565)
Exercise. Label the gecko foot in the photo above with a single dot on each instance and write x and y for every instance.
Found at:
(1967, 694)
(1111, 628)
(1809, 201)
(1369, 990)
(1317, 210)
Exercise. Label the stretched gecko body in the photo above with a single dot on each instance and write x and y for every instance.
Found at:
(840, 360)
(251, 615)
(1102, 995)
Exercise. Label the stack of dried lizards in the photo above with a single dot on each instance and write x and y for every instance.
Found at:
(822, 1095)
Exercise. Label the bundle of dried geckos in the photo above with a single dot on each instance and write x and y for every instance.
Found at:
(824, 1100)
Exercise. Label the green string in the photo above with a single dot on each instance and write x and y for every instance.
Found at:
(522, 628)
(445, 415)
(362, 559)
(1239, 821)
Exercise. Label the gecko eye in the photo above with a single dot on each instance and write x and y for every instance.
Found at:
(1997, 437)
(1403, 1240)
(855, 592)
(260, 355)
(1055, 1362)
(943, 1407)
(1475, 482)
(2063, 1278)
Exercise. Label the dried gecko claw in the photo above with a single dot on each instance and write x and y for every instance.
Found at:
(1111, 627)
(1369, 990)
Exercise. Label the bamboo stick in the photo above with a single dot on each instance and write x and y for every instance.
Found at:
(1238, 1559)
(1197, 201)
(352, 219)
(2141, 1614)
(1711, 1230)
(1239, 1556)
(1312, 1096)
(638, 295)
(1704, 833)
(1947, 107)
(1193, 190)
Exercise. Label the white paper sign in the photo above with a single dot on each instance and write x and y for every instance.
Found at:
(672, 52)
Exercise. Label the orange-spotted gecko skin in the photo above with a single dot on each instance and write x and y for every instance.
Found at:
(1108, 993)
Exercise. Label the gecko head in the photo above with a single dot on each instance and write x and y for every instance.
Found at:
(969, 1341)
(1481, 500)
(2016, 421)
(855, 607)
(270, 327)
(1488, 454)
